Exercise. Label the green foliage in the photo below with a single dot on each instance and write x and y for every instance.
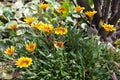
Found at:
(91, 2)
(82, 57)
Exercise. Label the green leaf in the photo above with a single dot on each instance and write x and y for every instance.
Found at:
(50, 1)
(45, 63)
(8, 57)
(117, 42)
(63, 73)
(43, 54)
(44, 71)
(69, 19)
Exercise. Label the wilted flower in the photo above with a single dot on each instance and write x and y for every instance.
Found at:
(9, 51)
(12, 26)
(47, 28)
(30, 47)
(108, 27)
(23, 62)
(61, 10)
(90, 13)
(59, 44)
(60, 31)
(43, 6)
(29, 19)
(78, 8)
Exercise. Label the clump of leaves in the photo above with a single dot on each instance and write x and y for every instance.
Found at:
(54, 45)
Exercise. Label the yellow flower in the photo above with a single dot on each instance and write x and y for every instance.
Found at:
(9, 51)
(43, 6)
(60, 31)
(78, 8)
(30, 47)
(29, 19)
(59, 44)
(39, 25)
(108, 27)
(12, 26)
(47, 28)
(90, 13)
(61, 10)
(23, 62)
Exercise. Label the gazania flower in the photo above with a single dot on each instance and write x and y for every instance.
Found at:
(78, 8)
(9, 51)
(47, 28)
(60, 31)
(12, 26)
(90, 13)
(23, 62)
(43, 6)
(29, 19)
(61, 10)
(59, 44)
(39, 25)
(30, 47)
(108, 27)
